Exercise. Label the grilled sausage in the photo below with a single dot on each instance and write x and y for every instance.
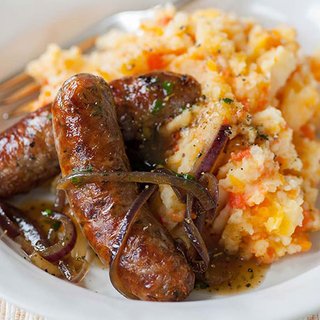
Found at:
(157, 96)
(87, 134)
(27, 153)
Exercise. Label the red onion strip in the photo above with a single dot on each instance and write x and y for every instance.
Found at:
(71, 275)
(60, 201)
(196, 240)
(6, 224)
(193, 229)
(61, 248)
(209, 181)
(189, 186)
(121, 240)
(214, 150)
(16, 224)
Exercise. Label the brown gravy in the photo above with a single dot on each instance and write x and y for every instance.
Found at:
(226, 274)
(33, 210)
(80, 258)
(229, 274)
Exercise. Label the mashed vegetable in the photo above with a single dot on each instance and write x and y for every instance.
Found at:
(254, 79)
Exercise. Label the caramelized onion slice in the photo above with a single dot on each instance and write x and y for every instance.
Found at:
(198, 266)
(61, 248)
(209, 160)
(20, 229)
(6, 224)
(189, 186)
(193, 228)
(60, 201)
(209, 181)
(75, 271)
(122, 237)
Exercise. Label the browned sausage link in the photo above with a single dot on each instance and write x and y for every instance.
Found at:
(27, 153)
(149, 99)
(87, 135)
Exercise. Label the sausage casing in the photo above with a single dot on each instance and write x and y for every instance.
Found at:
(87, 135)
(27, 153)
(157, 96)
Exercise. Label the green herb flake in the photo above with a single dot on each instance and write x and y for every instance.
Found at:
(185, 176)
(263, 136)
(49, 116)
(227, 100)
(47, 212)
(157, 106)
(168, 87)
(183, 108)
(89, 168)
(56, 225)
(75, 180)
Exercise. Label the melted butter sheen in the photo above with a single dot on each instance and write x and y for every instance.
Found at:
(228, 274)
(33, 211)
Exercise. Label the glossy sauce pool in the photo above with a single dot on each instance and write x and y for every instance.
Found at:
(35, 211)
(229, 274)
(226, 274)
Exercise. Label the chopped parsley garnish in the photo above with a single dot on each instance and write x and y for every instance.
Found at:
(89, 168)
(49, 116)
(227, 100)
(168, 87)
(186, 176)
(75, 180)
(47, 212)
(157, 106)
(56, 225)
(263, 136)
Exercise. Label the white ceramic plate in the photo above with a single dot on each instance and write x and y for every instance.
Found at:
(291, 288)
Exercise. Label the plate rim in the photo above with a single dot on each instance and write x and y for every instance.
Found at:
(44, 289)
(93, 304)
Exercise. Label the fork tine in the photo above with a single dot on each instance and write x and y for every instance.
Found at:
(17, 80)
(19, 111)
(21, 88)
(21, 95)
(18, 108)
(22, 79)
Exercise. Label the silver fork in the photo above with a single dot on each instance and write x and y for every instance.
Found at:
(20, 89)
